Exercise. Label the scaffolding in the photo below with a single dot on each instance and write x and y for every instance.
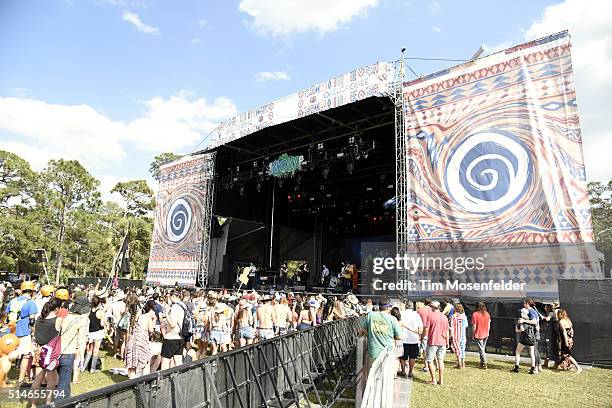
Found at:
(401, 157)
(207, 210)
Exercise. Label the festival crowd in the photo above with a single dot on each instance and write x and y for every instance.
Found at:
(61, 331)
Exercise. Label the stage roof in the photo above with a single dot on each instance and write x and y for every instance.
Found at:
(361, 83)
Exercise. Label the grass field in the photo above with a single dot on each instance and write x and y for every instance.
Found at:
(470, 387)
(498, 387)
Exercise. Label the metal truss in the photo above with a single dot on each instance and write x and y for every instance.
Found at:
(401, 163)
(207, 208)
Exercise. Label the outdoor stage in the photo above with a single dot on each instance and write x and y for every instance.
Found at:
(476, 172)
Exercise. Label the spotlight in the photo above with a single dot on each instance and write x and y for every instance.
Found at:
(259, 186)
(320, 146)
(255, 164)
(352, 140)
(241, 190)
(350, 166)
(325, 172)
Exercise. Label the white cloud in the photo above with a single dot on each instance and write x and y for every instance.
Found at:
(47, 131)
(272, 76)
(591, 30)
(134, 19)
(284, 18)
(178, 122)
(436, 29)
(74, 131)
(196, 40)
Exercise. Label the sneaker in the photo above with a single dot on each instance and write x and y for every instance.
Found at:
(424, 369)
(532, 370)
(515, 369)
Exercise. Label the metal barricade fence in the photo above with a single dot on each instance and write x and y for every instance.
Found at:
(306, 368)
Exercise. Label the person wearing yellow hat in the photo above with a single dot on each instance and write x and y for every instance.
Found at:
(21, 311)
(62, 294)
(43, 297)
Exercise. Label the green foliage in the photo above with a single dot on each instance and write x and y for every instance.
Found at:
(60, 209)
(600, 195)
(159, 161)
(15, 177)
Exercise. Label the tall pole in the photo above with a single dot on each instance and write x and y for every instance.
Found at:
(272, 223)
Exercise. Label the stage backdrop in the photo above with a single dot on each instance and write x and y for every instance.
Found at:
(182, 221)
(495, 169)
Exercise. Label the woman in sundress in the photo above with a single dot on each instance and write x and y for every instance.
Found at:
(566, 329)
(137, 348)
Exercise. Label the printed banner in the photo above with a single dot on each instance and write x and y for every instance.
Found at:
(180, 221)
(496, 170)
(361, 83)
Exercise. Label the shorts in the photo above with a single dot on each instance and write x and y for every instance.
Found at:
(411, 351)
(25, 346)
(216, 337)
(282, 331)
(172, 347)
(246, 332)
(95, 336)
(265, 334)
(435, 351)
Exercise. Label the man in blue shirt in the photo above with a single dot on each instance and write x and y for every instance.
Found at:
(22, 311)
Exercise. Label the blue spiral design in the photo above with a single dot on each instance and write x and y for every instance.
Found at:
(178, 220)
(488, 172)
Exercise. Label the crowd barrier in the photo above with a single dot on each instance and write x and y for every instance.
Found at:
(306, 368)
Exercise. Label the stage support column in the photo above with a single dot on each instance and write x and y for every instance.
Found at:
(272, 224)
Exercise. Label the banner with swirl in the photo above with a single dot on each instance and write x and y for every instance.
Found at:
(180, 221)
(495, 165)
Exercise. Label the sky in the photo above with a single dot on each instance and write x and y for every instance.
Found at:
(112, 83)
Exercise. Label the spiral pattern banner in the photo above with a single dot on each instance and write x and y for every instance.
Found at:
(495, 160)
(176, 249)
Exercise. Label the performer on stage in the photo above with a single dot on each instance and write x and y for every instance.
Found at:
(305, 273)
(252, 275)
(347, 276)
(282, 279)
(324, 276)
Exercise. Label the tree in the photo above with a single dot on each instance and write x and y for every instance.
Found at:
(600, 197)
(15, 177)
(139, 202)
(65, 186)
(159, 161)
(138, 196)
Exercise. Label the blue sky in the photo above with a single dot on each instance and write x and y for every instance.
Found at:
(114, 82)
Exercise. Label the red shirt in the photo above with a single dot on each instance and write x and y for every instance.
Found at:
(482, 323)
(437, 334)
(424, 312)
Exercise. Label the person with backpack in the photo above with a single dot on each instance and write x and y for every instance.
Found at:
(73, 336)
(21, 312)
(46, 332)
(173, 342)
(526, 331)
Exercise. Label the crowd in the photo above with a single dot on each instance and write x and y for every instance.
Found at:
(431, 328)
(61, 331)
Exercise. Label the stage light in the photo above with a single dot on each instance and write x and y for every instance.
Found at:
(350, 166)
(352, 140)
(299, 196)
(390, 186)
(320, 146)
(325, 172)
(368, 188)
(365, 155)
(237, 169)
(259, 186)
(241, 190)
(255, 164)
(328, 195)
(289, 197)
